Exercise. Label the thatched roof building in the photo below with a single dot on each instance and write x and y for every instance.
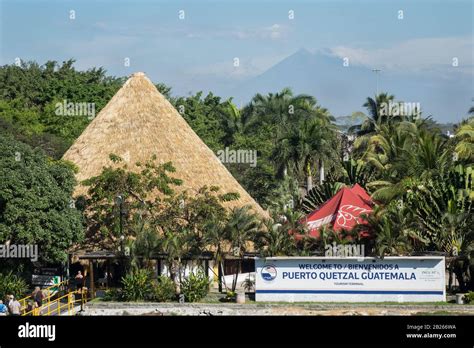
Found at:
(139, 122)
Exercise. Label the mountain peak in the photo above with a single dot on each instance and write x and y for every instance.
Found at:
(303, 52)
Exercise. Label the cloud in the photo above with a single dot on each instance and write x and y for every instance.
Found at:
(414, 55)
(272, 32)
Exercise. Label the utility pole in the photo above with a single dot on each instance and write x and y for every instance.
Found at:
(376, 71)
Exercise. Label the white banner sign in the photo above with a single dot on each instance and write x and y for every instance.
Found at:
(400, 279)
(45, 280)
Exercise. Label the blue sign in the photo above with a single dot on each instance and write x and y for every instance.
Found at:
(269, 272)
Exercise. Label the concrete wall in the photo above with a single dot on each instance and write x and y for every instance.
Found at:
(242, 277)
(189, 267)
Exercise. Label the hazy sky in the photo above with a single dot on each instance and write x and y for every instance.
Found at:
(198, 52)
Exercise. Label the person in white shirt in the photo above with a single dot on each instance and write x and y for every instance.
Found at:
(14, 307)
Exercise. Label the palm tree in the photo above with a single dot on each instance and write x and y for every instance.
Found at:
(320, 194)
(388, 148)
(465, 139)
(285, 196)
(456, 238)
(442, 206)
(145, 246)
(281, 108)
(286, 154)
(303, 146)
(430, 155)
(353, 172)
(275, 240)
(455, 235)
(403, 153)
(215, 238)
(239, 231)
(301, 129)
(233, 122)
(394, 230)
(379, 114)
(376, 116)
(174, 246)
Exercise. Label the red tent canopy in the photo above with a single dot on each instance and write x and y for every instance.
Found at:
(341, 211)
(358, 190)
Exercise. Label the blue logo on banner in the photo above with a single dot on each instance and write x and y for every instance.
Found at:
(269, 272)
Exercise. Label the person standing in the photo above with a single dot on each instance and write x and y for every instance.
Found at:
(9, 300)
(79, 280)
(38, 296)
(32, 305)
(3, 309)
(14, 307)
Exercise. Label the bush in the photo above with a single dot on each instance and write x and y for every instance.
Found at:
(195, 286)
(469, 297)
(137, 285)
(230, 296)
(249, 284)
(11, 284)
(113, 295)
(164, 290)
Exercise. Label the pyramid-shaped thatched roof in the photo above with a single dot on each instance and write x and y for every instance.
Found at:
(139, 122)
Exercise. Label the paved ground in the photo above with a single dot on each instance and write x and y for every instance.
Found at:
(215, 309)
(212, 305)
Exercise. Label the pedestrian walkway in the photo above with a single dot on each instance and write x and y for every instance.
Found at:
(61, 300)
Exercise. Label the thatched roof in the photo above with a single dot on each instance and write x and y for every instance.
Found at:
(139, 122)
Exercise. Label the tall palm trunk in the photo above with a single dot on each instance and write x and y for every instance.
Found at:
(221, 265)
(321, 172)
(219, 275)
(175, 274)
(236, 276)
(220, 270)
(309, 178)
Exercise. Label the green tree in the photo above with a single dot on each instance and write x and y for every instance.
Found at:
(393, 229)
(233, 123)
(30, 93)
(279, 109)
(36, 205)
(240, 230)
(442, 207)
(304, 145)
(185, 225)
(465, 140)
(205, 116)
(119, 199)
(215, 240)
(279, 235)
(376, 115)
(402, 153)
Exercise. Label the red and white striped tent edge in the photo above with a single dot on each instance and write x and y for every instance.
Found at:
(342, 211)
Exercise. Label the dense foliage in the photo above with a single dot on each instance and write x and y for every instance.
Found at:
(137, 285)
(11, 284)
(30, 93)
(420, 178)
(35, 201)
(164, 290)
(195, 286)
